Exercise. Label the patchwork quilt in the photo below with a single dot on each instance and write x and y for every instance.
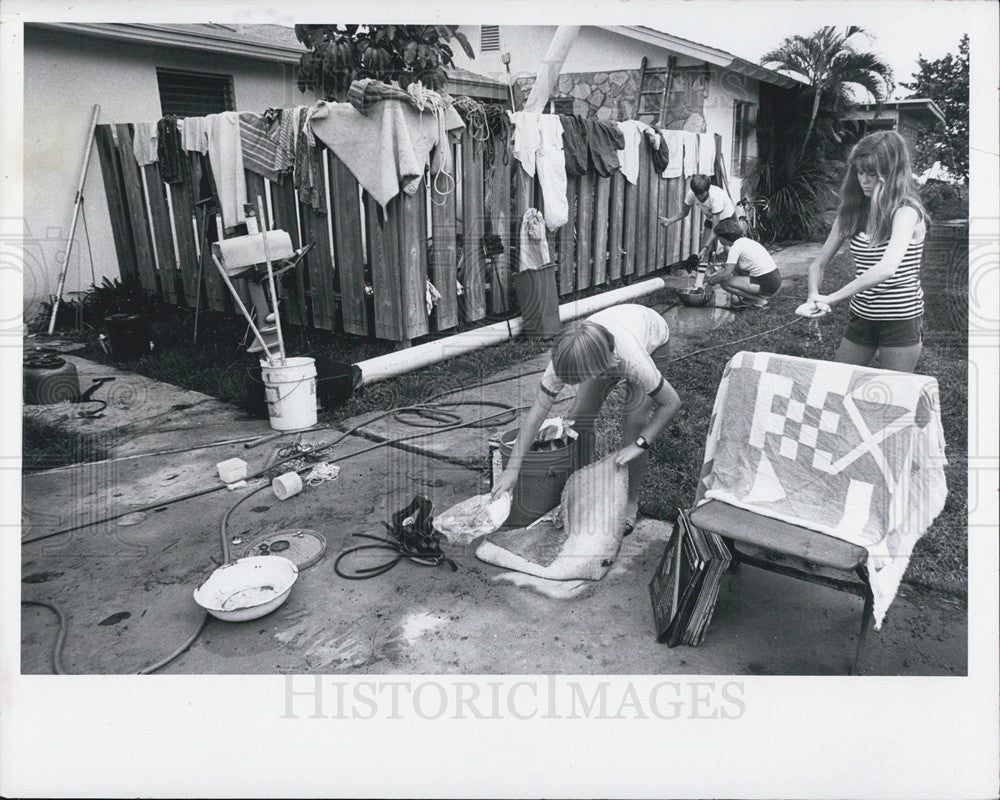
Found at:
(853, 452)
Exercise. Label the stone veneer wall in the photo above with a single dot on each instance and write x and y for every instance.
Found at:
(605, 95)
(613, 95)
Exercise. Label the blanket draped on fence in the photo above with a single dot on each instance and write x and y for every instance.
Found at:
(388, 147)
(852, 452)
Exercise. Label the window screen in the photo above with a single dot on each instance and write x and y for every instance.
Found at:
(194, 94)
(489, 38)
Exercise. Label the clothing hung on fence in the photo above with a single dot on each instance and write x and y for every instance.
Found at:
(658, 150)
(853, 452)
(690, 153)
(675, 154)
(604, 140)
(144, 143)
(533, 246)
(225, 154)
(194, 135)
(574, 145)
(266, 140)
(169, 150)
(550, 166)
(386, 149)
(527, 138)
(308, 170)
(706, 154)
(628, 156)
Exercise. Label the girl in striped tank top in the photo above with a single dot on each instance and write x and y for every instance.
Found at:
(881, 215)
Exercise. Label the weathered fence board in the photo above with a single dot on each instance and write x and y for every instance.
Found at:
(162, 239)
(567, 241)
(383, 255)
(473, 273)
(114, 189)
(317, 267)
(616, 213)
(285, 218)
(654, 252)
(641, 218)
(631, 212)
(413, 264)
(444, 258)
(138, 221)
(600, 248)
(584, 224)
(498, 207)
(348, 251)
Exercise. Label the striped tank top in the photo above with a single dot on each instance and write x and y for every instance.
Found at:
(897, 297)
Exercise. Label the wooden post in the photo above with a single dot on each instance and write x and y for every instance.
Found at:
(642, 232)
(163, 244)
(600, 250)
(499, 211)
(567, 241)
(383, 244)
(629, 243)
(617, 214)
(345, 210)
(444, 258)
(473, 268)
(114, 190)
(584, 224)
(136, 209)
(413, 263)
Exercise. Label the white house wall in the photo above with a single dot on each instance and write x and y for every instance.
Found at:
(64, 76)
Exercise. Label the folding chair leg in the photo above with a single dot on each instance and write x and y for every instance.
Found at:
(867, 619)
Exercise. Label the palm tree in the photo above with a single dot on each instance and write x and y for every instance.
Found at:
(829, 61)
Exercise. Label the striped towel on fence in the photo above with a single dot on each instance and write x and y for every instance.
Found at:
(267, 143)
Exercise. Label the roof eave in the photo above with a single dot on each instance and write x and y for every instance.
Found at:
(167, 36)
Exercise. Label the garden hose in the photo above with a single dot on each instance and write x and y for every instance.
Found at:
(434, 412)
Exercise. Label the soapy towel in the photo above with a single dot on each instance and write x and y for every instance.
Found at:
(550, 166)
(527, 138)
(534, 247)
(853, 452)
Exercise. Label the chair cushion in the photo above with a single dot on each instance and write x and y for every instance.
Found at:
(776, 536)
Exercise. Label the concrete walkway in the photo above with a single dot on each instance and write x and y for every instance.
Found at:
(126, 589)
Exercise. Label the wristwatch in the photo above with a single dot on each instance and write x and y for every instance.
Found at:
(642, 443)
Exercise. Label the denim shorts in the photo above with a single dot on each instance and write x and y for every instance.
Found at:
(885, 332)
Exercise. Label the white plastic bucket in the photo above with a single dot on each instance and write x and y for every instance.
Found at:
(290, 392)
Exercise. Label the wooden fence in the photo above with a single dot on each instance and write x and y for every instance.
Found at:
(161, 236)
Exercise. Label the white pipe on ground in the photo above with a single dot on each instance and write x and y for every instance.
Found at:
(392, 365)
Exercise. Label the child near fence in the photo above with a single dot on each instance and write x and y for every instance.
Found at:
(749, 272)
(713, 200)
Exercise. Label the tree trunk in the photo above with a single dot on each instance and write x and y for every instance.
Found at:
(812, 121)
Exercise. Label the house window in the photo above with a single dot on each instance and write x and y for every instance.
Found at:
(489, 38)
(561, 105)
(744, 115)
(194, 94)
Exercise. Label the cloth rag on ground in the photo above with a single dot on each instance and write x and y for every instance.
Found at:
(579, 542)
(674, 141)
(534, 247)
(853, 452)
(389, 147)
(469, 519)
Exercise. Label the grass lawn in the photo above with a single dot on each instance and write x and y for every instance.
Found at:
(218, 366)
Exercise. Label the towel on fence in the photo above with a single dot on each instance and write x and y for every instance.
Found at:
(574, 145)
(674, 141)
(194, 135)
(690, 153)
(604, 140)
(550, 166)
(527, 138)
(226, 157)
(853, 452)
(580, 540)
(533, 245)
(308, 169)
(266, 140)
(389, 147)
(658, 150)
(706, 154)
(169, 150)
(628, 156)
(144, 143)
